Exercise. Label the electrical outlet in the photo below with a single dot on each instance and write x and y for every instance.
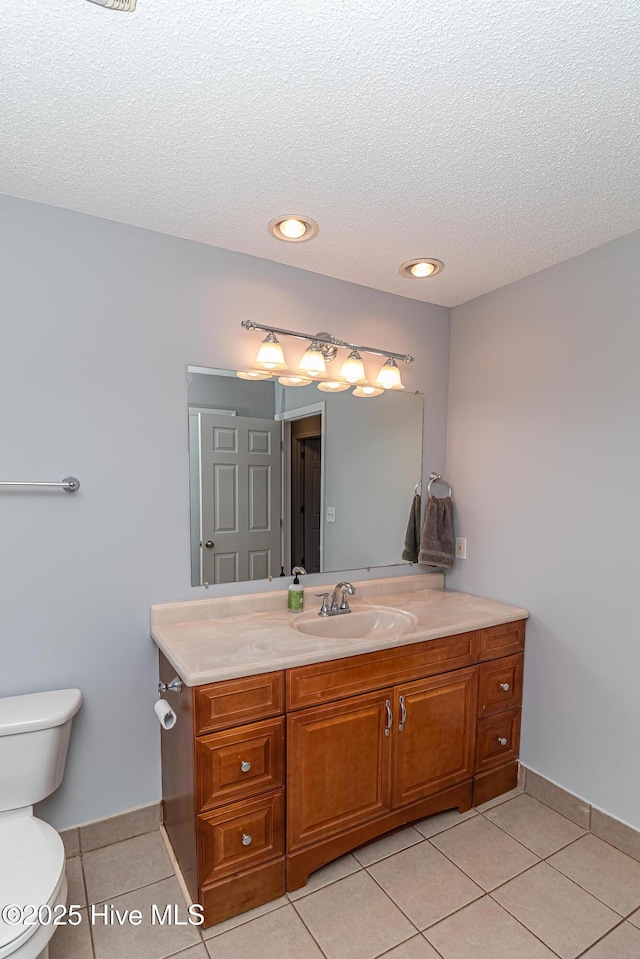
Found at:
(461, 547)
(331, 514)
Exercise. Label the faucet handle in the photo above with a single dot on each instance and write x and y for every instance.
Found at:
(325, 608)
(344, 605)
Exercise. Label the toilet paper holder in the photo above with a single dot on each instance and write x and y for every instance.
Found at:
(175, 686)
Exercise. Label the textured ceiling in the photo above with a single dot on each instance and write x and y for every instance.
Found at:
(500, 136)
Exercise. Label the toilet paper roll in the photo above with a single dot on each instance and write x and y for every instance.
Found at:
(165, 714)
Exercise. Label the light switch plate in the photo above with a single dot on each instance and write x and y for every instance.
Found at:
(461, 548)
(331, 514)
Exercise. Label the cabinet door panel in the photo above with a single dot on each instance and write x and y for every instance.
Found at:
(338, 767)
(435, 747)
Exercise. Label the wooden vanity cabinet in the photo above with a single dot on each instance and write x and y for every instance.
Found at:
(373, 742)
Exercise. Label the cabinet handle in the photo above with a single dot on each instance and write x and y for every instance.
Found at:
(504, 686)
(403, 714)
(502, 741)
(389, 717)
(245, 766)
(246, 840)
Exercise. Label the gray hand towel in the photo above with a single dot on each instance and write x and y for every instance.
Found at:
(412, 536)
(437, 542)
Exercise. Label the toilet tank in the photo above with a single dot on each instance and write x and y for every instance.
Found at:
(34, 736)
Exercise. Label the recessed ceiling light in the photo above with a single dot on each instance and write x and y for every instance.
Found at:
(293, 228)
(422, 268)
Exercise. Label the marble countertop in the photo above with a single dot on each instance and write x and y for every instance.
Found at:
(210, 640)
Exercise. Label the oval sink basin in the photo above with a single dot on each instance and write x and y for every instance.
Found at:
(374, 622)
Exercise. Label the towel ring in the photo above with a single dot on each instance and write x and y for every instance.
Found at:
(436, 478)
(417, 487)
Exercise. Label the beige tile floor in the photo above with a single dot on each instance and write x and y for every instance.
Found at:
(511, 880)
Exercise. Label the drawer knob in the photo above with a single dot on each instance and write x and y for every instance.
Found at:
(245, 766)
(246, 840)
(505, 686)
(502, 740)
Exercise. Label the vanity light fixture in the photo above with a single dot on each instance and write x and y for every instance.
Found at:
(421, 268)
(322, 349)
(389, 376)
(293, 228)
(270, 354)
(367, 391)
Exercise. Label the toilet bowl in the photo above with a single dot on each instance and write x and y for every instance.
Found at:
(34, 737)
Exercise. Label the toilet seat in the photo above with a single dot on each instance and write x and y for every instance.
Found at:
(31, 873)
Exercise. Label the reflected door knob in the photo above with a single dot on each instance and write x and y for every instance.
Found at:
(209, 544)
(245, 766)
(246, 840)
(502, 740)
(505, 686)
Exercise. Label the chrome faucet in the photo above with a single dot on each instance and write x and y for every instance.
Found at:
(338, 605)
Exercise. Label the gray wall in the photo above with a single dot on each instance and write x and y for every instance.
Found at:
(104, 319)
(245, 397)
(544, 458)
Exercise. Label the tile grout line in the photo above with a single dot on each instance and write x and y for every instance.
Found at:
(622, 915)
(86, 895)
(332, 882)
(542, 858)
(607, 933)
(591, 944)
(304, 923)
(391, 900)
(391, 854)
(487, 892)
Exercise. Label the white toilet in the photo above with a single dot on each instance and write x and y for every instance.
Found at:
(34, 736)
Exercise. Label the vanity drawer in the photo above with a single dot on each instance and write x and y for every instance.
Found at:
(498, 740)
(503, 640)
(239, 762)
(235, 701)
(240, 836)
(500, 685)
(337, 679)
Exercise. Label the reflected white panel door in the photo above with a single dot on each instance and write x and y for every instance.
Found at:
(240, 473)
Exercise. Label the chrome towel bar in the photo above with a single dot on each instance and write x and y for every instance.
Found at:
(69, 483)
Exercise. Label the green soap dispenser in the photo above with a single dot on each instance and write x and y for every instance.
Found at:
(295, 598)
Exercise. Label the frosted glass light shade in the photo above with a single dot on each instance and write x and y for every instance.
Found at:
(313, 361)
(293, 379)
(270, 354)
(367, 391)
(389, 376)
(353, 368)
(333, 386)
(254, 374)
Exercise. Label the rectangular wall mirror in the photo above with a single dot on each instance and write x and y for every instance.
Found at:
(286, 476)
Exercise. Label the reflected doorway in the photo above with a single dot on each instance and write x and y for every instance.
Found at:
(306, 492)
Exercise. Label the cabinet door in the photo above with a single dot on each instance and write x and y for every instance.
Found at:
(434, 749)
(338, 766)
